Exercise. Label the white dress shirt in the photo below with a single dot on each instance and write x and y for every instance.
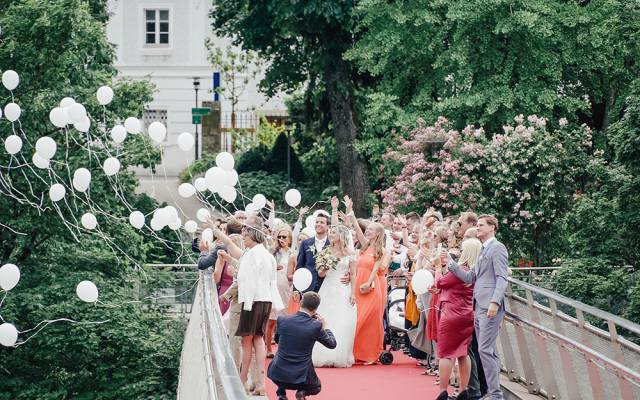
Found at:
(319, 244)
(257, 278)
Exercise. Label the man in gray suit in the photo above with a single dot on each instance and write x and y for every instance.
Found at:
(490, 279)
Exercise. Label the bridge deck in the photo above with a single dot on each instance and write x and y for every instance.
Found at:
(400, 380)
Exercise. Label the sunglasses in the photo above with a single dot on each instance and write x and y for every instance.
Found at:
(283, 237)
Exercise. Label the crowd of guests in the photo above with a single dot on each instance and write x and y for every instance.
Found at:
(452, 328)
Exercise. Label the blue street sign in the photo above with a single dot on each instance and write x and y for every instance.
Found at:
(216, 85)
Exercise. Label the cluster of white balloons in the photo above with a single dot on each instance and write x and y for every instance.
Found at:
(69, 112)
(165, 216)
(9, 278)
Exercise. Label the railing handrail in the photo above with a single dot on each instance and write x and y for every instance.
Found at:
(578, 346)
(604, 315)
(225, 368)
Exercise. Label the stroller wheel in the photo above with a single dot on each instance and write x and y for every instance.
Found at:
(386, 358)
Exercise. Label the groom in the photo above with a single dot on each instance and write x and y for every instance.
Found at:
(311, 247)
(292, 367)
(490, 278)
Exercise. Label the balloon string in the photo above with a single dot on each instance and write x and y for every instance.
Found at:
(117, 305)
(12, 230)
(43, 324)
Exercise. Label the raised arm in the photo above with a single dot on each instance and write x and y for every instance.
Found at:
(232, 249)
(335, 220)
(298, 227)
(217, 272)
(465, 276)
(354, 221)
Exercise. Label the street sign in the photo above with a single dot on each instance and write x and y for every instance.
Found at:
(201, 111)
(196, 119)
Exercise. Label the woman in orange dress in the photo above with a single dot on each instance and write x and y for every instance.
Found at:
(372, 258)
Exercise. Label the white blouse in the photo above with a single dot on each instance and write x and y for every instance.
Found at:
(257, 274)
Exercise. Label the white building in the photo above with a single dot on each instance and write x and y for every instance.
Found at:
(163, 41)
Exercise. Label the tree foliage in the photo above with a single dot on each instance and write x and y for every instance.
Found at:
(59, 48)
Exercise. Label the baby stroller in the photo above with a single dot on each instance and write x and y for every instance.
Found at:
(394, 330)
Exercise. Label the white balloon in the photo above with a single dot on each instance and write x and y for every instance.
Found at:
(39, 161)
(186, 190)
(83, 126)
(67, 102)
(186, 141)
(89, 221)
(302, 279)
(58, 117)
(190, 226)
(12, 112)
(13, 144)
(259, 200)
(200, 184)
(136, 219)
(310, 221)
(118, 133)
(0, 112)
(57, 192)
(87, 291)
(293, 197)
(10, 79)
(155, 225)
(231, 178)
(9, 276)
(228, 194)
(81, 179)
(76, 112)
(8, 334)
(173, 213)
(157, 132)
(203, 215)
(104, 95)
(175, 225)
(225, 161)
(277, 221)
(215, 178)
(250, 208)
(207, 236)
(422, 281)
(46, 147)
(132, 125)
(111, 166)
(162, 216)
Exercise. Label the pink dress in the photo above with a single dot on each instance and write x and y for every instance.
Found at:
(226, 280)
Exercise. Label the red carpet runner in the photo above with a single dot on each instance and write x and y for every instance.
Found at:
(400, 380)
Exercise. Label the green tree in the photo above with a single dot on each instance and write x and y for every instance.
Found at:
(485, 61)
(305, 43)
(59, 49)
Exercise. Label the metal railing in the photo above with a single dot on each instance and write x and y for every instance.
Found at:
(552, 345)
(206, 337)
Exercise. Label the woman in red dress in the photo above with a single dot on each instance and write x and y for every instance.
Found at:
(455, 326)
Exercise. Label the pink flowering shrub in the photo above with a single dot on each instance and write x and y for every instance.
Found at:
(526, 175)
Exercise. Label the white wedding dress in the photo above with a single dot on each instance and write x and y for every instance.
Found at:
(340, 316)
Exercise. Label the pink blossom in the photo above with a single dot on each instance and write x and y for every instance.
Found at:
(563, 122)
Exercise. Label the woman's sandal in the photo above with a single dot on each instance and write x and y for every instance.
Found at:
(259, 392)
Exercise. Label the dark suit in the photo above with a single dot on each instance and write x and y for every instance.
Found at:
(307, 259)
(292, 367)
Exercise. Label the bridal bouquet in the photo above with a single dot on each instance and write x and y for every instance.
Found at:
(326, 260)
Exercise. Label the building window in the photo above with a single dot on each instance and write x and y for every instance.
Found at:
(153, 116)
(156, 27)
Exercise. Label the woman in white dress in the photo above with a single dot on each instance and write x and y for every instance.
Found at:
(337, 302)
(281, 252)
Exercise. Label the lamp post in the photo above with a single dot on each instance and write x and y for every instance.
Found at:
(196, 87)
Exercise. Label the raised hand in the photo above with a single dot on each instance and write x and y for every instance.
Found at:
(271, 206)
(335, 203)
(348, 204)
(375, 210)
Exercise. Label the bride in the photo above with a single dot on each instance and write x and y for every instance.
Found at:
(337, 302)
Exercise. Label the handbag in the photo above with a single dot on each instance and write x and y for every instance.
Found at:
(418, 335)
